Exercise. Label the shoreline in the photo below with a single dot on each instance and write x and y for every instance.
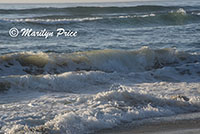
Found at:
(157, 126)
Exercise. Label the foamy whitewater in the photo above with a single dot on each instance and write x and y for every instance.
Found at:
(129, 64)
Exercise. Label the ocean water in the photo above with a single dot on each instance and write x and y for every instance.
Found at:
(128, 62)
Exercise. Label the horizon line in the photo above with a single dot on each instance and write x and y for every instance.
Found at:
(74, 2)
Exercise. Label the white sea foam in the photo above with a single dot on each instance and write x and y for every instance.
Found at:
(95, 90)
(149, 15)
(180, 11)
(78, 113)
(52, 20)
(83, 81)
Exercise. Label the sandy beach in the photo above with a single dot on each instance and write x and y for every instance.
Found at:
(185, 126)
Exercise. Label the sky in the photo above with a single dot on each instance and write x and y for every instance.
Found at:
(61, 1)
(65, 1)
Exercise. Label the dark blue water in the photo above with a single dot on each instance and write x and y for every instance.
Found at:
(102, 26)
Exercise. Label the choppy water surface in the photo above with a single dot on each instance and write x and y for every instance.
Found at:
(129, 61)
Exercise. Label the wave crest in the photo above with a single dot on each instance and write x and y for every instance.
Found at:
(140, 60)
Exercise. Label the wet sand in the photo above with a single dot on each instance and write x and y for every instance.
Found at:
(183, 126)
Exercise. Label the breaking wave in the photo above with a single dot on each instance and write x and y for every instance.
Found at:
(174, 16)
(84, 92)
(75, 72)
(140, 60)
